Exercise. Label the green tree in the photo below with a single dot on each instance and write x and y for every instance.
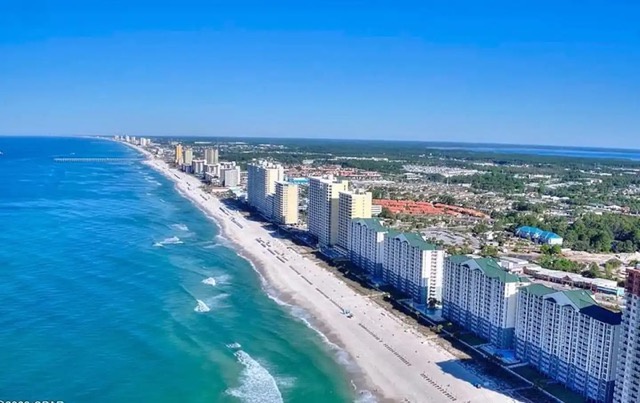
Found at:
(489, 251)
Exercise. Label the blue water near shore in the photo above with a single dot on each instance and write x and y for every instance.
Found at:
(113, 288)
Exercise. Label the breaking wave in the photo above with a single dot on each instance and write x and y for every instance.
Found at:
(174, 240)
(209, 281)
(257, 385)
(201, 307)
(181, 227)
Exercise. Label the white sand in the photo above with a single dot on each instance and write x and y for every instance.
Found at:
(374, 338)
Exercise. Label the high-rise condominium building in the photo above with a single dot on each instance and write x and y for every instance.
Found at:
(285, 203)
(366, 245)
(569, 337)
(211, 156)
(188, 156)
(351, 205)
(261, 182)
(627, 388)
(230, 177)
(179, 159)
(322, 210)
(413, 266)
(479, 295)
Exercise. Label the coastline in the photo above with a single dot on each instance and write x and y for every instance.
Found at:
(389, 358)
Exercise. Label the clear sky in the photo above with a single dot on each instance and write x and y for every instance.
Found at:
(534, 72)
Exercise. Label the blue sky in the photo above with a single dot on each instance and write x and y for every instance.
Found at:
(544, 72)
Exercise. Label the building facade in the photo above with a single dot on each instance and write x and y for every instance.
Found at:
(351, 205)
(570, 338)
(197, 167)
(285, 203)
(261, 182)
(211, 156)
(366, 245)
(230, 177)
(179, 158)
(322, 210)
(188, 156)
(627, 388)
(479, 295)
(413, 266)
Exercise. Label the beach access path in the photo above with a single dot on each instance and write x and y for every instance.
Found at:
(396, 362)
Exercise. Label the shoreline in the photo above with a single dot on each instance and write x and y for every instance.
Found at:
(390, 359)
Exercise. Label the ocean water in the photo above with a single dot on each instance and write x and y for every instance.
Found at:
(113, 288)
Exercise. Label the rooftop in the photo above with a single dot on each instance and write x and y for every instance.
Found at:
(372, 223)
(414, 239)
(581, 300)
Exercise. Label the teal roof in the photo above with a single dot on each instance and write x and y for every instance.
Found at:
(458, 259)
(414, 239)
(538, 289)
(583, 300)
(372, 223)
(492, 269)
(580, 298)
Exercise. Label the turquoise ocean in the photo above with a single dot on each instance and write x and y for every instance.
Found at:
(114, 288)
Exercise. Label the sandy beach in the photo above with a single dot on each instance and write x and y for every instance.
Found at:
(396, 362)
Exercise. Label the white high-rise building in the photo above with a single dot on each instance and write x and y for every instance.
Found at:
(351, 205)
(413, 266)
(366, 245)
(322, 210)
(230, 177)
(570, 338)
(479, 295)
(188, 156)
(627, 387)
(261, 182)
(211, 156)
(285, 203)
(197, 166)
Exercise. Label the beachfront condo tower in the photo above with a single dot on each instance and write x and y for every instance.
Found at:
(188, 156)
(366, 245)
(351, 205)
(627, 387)
(413, 266)
(261, 183)
(479, 295)
(322, 210)
(179, 159)
(211, 156)
(285, 203)
(566, 335)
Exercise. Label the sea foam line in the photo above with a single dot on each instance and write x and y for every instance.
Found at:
(257, 385)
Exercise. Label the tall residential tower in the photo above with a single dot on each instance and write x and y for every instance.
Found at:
(323, 208)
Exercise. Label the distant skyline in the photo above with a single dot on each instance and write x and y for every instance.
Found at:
(550, 73)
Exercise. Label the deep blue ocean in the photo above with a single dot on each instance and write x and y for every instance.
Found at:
(113, 288)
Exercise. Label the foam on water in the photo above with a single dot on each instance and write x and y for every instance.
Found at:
(174, 240)
(209, 281)
(257, 385)
(234, 346)
(217, 301)
(201, 307)
(180, 226)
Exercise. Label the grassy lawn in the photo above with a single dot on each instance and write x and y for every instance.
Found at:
(472, 339)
